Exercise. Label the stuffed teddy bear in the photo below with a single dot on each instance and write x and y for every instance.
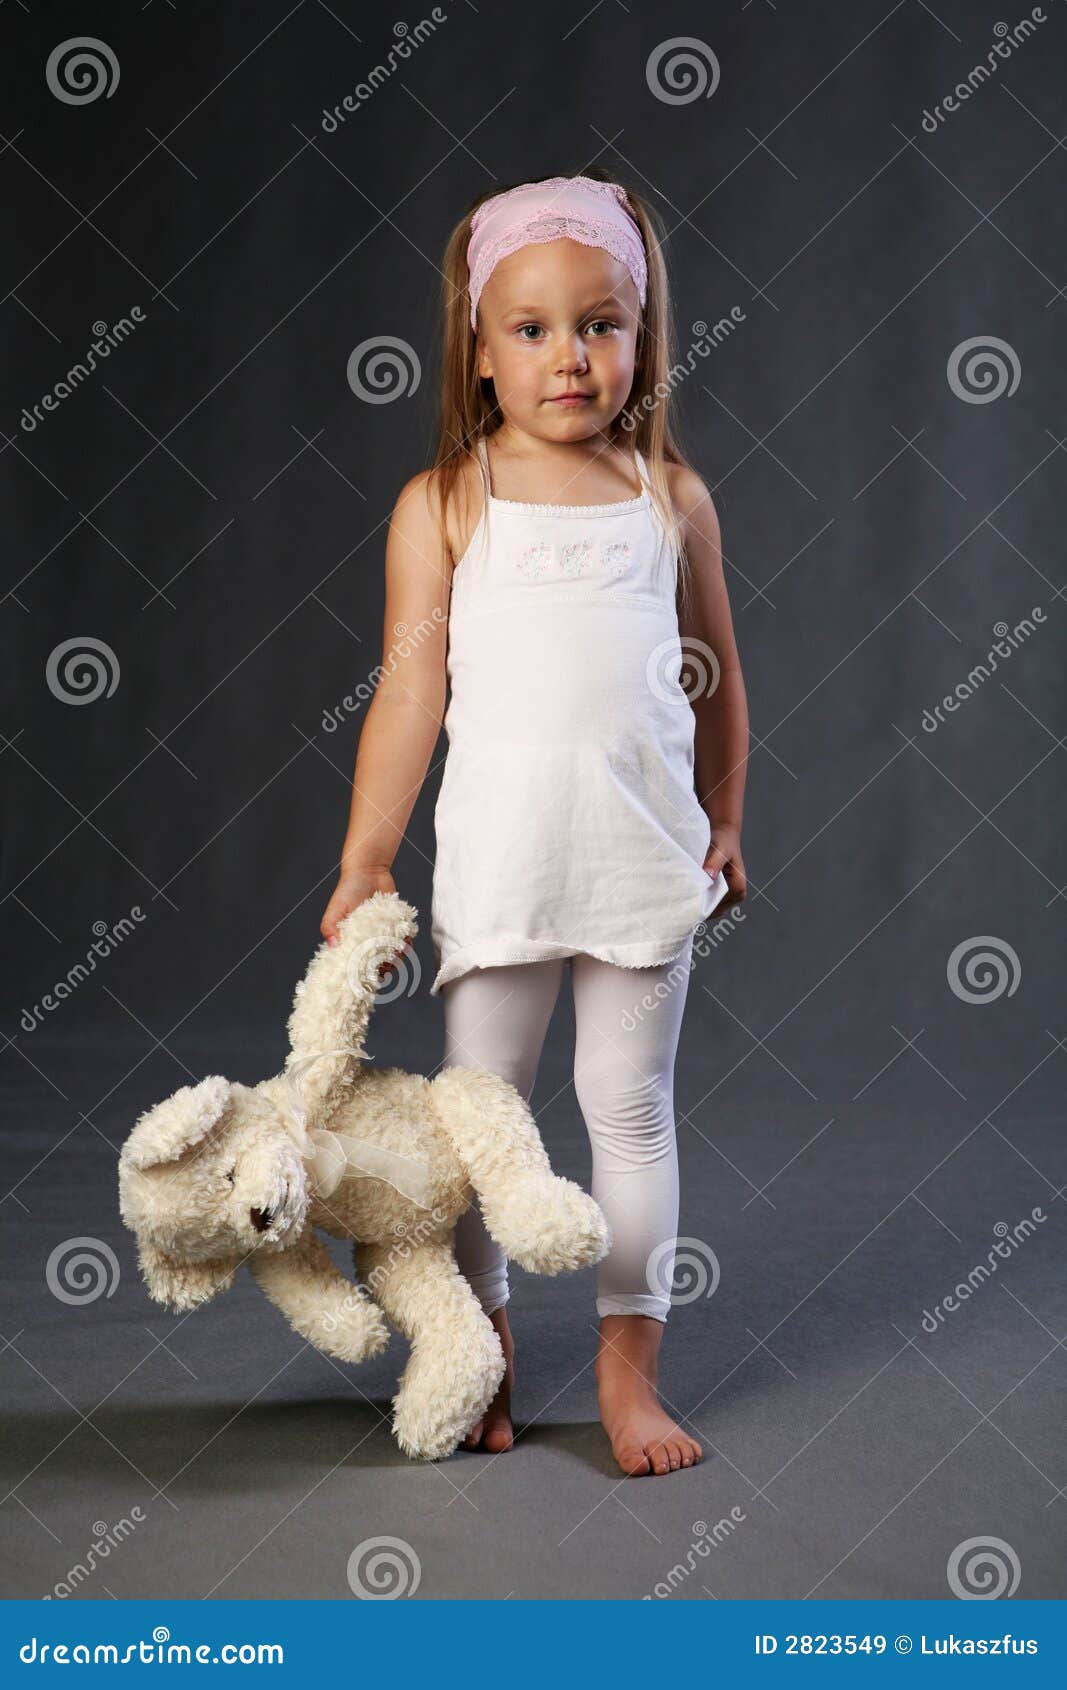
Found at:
(221, 1174)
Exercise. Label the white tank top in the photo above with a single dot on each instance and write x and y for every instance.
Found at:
(567, 819)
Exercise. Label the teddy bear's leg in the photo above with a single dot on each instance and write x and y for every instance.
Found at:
(456, 1360)
(318, 1301)
(544, 1222)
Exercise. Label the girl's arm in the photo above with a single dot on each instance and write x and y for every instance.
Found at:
(721, 735)
(403, 720)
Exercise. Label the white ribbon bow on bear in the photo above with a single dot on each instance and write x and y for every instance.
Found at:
(332, 1156)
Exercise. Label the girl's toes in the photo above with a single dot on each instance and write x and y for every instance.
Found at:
(499, 1438)
(659, 1459)
(473, 1438)
(633, 1460)
(675, 1454)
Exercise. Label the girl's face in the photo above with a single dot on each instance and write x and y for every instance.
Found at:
(559, 317)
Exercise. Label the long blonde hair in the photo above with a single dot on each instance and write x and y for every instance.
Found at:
(468, 411)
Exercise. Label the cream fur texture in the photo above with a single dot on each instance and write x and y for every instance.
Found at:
(217, 1176)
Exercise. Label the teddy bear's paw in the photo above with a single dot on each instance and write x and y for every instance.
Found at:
(442, 1395)
(351, 1336)
(421, 1445)
(572, 1231)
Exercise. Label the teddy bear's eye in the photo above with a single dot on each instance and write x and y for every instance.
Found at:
(231, 1177)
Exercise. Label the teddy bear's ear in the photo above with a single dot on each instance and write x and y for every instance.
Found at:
(172, 1127)
(182, 1285)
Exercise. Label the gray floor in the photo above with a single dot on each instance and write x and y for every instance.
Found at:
(856, 1451)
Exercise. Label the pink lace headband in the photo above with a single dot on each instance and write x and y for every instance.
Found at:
(575, 207)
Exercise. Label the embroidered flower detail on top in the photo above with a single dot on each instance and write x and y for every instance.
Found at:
(534, 560)
(616, 557)
(576, 557)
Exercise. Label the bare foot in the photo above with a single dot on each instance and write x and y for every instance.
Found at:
(494, 1431)
(644, 1438)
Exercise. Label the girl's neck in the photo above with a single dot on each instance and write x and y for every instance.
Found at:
(552, 455)
(591, 471)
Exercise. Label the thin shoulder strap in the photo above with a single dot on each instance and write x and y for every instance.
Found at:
(483, 454)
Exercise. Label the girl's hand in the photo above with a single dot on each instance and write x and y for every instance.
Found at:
(353, 888)
(725, 853)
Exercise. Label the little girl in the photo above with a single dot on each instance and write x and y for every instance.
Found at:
(555, 564)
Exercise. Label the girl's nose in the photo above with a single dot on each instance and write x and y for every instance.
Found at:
(572, 356)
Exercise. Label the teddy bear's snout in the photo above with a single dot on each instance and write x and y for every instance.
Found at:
(281, 1210)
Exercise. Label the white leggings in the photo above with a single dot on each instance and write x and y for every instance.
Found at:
(627, 1022)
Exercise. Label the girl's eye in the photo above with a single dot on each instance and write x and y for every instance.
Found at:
(600, 323)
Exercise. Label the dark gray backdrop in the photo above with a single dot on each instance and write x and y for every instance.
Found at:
(857, 1114)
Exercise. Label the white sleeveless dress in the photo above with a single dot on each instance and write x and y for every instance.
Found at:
(567, 819)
